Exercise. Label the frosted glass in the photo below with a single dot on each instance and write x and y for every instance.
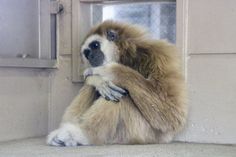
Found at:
(19, 28)
(158, 17)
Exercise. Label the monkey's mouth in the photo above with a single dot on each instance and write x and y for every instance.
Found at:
(95, 58)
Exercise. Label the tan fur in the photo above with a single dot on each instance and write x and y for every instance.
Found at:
(155, 109)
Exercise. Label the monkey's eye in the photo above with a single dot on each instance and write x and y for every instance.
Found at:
(94, 45)
(112, 35)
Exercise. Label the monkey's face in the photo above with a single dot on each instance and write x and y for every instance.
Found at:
(99, 50)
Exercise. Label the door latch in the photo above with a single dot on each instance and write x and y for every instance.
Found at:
(56, 7)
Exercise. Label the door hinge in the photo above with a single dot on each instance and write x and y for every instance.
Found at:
(56, 7)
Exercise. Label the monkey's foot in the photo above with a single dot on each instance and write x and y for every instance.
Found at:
(67, 135)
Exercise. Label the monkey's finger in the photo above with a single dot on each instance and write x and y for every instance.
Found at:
(105, 93)
(107, 98)
(116, 100)
(116, 94)
(116, 88)
(113, 95)
(106, 90)
(110, 95)
(112, 98)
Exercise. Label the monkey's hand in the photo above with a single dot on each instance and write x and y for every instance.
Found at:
(106, 88)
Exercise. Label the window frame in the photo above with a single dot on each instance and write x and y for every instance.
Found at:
(80, 13)
(44, 59)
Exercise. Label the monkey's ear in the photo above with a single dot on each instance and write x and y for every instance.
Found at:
(112, 35)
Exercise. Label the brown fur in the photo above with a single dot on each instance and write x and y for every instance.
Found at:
(155, 109)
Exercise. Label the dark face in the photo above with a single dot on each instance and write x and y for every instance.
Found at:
(94, 54)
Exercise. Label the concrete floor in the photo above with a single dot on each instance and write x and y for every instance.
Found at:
(36, 147)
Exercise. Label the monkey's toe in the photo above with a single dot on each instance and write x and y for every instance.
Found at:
(68, 136)
(60, 143)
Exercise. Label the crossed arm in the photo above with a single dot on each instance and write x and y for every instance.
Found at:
(162, 113)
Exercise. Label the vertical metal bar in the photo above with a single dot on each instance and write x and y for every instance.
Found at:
(53, 36)
(39, 30)
(45, 30)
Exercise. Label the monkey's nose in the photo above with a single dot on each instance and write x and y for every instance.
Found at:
(87, 52)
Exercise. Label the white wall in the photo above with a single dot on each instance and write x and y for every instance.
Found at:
(23, 103)
(211, 71)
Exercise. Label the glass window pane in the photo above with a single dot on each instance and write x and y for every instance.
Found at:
(19, 32)
(158, 17)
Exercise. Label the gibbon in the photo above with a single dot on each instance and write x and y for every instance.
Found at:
(134, 91)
